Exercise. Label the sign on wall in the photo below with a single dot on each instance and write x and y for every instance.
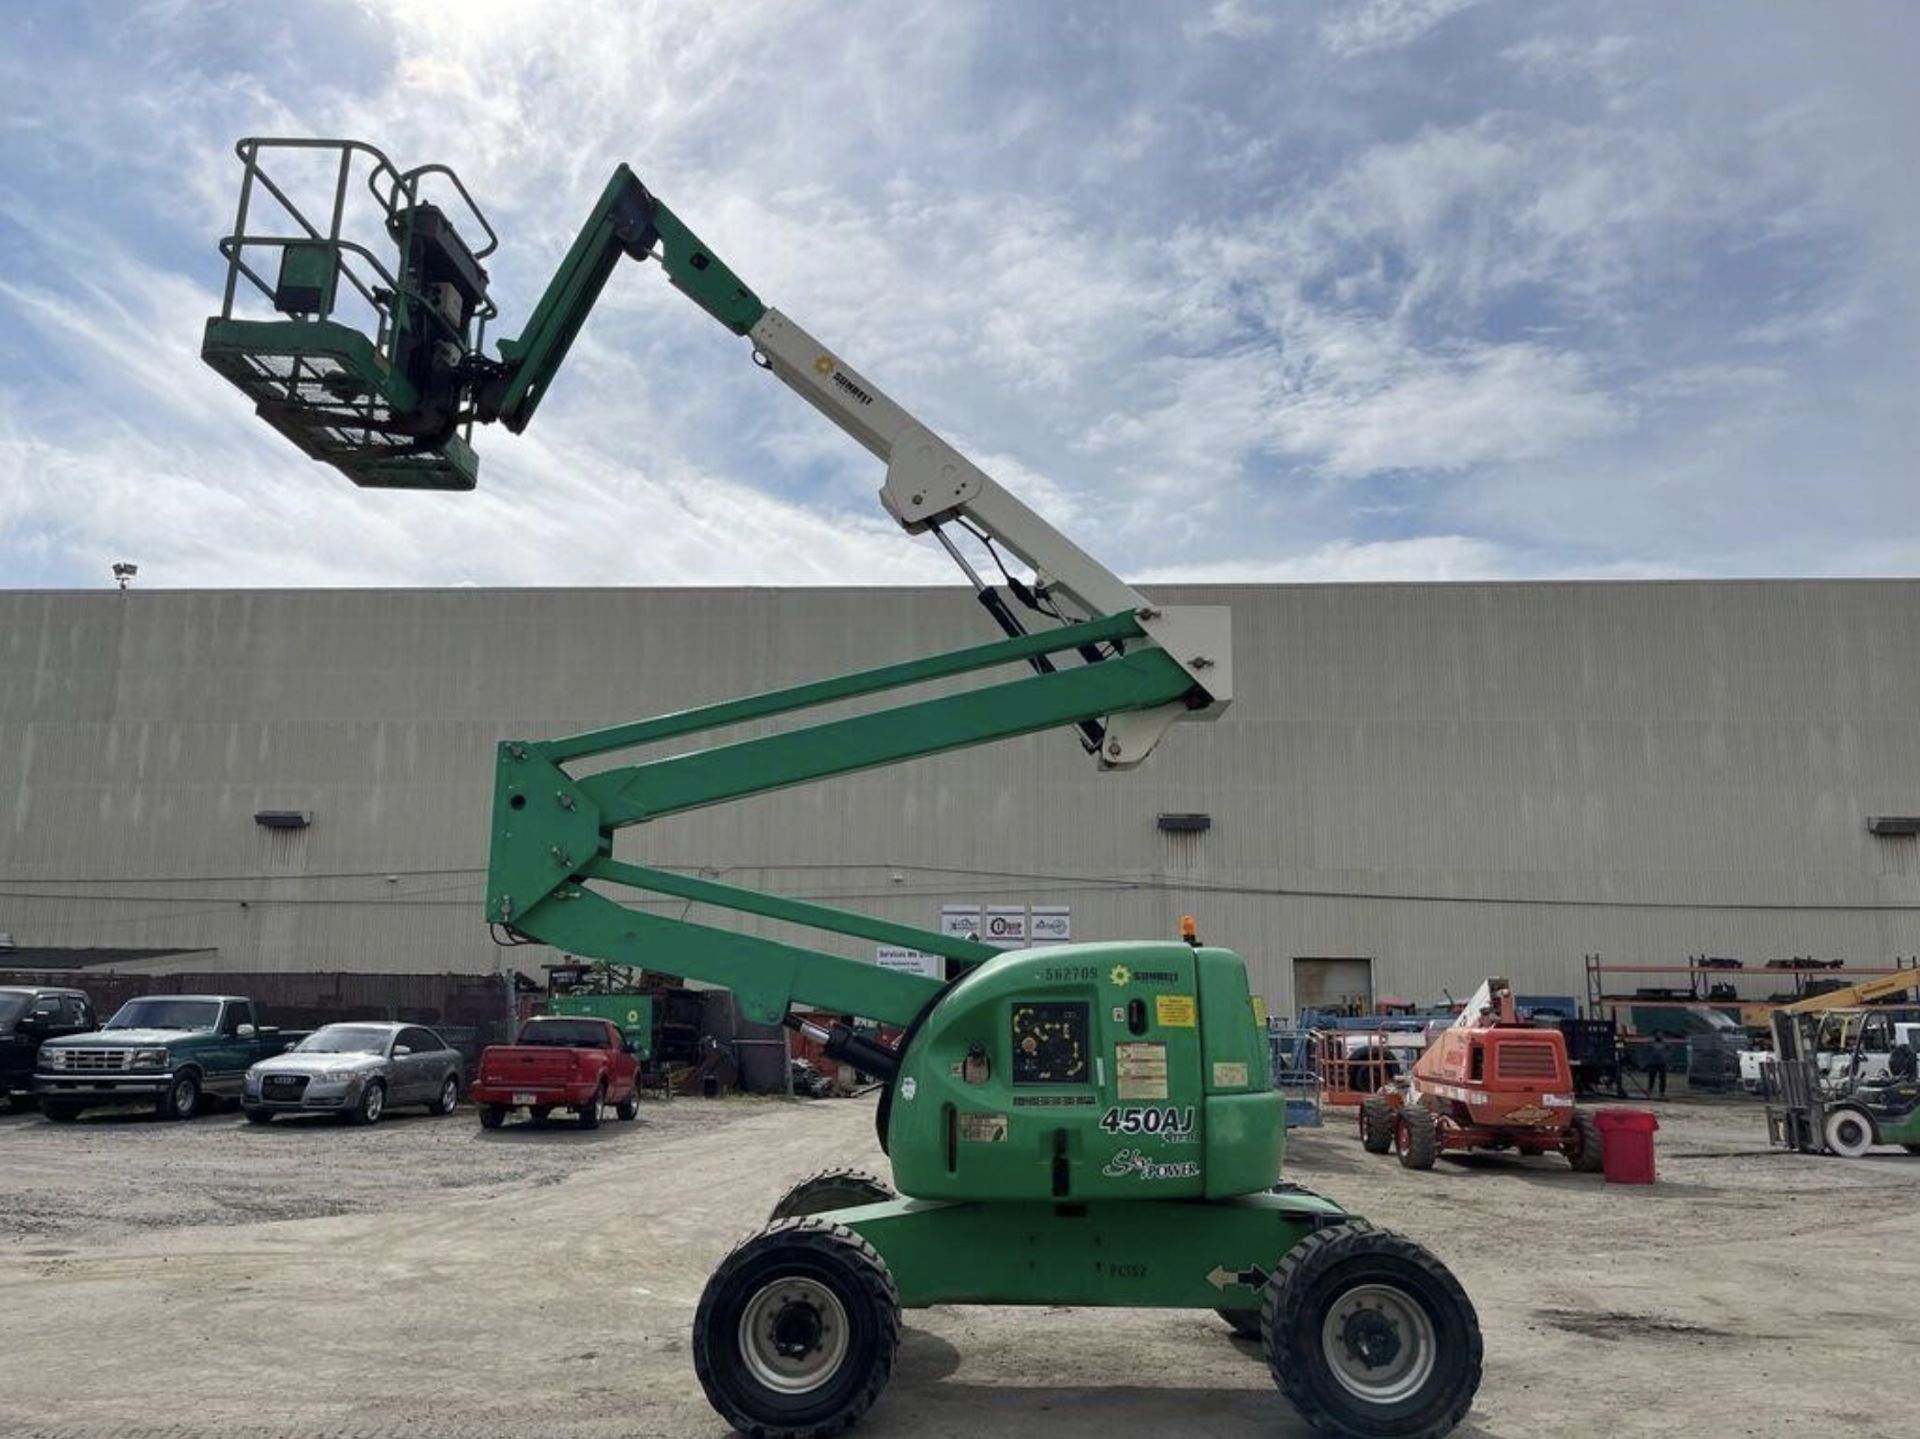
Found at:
(1006, 925)
(960, 921)
(1051, 924)
(908, 961)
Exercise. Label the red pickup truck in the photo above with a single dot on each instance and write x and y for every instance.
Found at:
(558, 1062)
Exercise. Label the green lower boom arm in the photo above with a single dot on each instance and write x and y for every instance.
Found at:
(553, 833)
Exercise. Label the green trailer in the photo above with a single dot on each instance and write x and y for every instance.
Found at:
(633, 1013)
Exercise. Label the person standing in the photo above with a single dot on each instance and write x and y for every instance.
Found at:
(1659, 1060)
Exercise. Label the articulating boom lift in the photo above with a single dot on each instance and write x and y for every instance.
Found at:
(1088, 1124)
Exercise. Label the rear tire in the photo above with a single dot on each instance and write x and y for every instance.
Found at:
(182, 1099)
(828, 1190)
(1585, 1151)
(449, 1099)
(60, 1113)
(589, 1113)
(1415, 1137)
(796, 1332)
(538, 1113)
(1849, 1133)
(1376, 1125)
(492, 1116)
(1370, 1337)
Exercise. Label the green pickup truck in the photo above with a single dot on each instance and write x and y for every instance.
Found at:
(173, 1050)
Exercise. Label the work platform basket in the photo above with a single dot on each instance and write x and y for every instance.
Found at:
(354, 361)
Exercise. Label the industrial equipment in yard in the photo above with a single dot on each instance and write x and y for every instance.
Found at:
(1830, 1102)
(1083, 1124)
(1487, 1082)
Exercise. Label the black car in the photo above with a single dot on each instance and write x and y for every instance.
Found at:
(30, 1016)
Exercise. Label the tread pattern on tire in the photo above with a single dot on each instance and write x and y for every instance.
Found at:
(873, 1276)
(1590, 1158)
(1423, 1141)
(825, 1181)
(1376, 1125)
(1279, 1317)
(1245, 1323)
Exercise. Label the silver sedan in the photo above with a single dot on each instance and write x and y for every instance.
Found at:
(358, 1070)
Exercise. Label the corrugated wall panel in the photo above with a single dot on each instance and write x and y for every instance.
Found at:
(1448, 780)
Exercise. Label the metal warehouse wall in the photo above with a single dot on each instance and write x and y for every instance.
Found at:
(1450, 780)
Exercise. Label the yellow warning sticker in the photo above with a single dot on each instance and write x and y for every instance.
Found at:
(1259, 1009)
(1175, 1011)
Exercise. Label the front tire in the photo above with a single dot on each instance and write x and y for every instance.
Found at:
(373, 1103)
(1376, 1125)
(1370, 1337)
(182, 1099)
(796, 1331)
(1415, 1136)
(259, 1116)
(1849, 1133)
(59, 1113)
(1584, 1151)
(830, 1189)
(628, 1109)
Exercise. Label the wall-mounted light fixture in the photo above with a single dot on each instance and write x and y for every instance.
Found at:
(1184, 823)
(1887, 826)
(283, 818)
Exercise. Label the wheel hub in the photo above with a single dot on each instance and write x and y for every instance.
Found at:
(1379, 1343)
(1370, 1338)
(794, 1334)
(796, 1330)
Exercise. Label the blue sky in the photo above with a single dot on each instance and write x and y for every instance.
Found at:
(1375, 289)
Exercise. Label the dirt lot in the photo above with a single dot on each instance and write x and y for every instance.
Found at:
(426, 1279)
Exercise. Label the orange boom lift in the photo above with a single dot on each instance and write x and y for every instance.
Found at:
(1488, 1081)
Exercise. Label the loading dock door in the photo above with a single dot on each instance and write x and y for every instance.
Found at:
(1342, 985)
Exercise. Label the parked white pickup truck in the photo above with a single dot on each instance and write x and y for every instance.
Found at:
(1854, 1049)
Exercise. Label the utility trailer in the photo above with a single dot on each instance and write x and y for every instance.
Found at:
(1086, 1124)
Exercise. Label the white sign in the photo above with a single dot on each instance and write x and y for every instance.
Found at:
(1051, 924)
(960, 921)
(1006, 925)
(907, 961)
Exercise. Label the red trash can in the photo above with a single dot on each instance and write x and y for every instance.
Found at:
(1626, 1144)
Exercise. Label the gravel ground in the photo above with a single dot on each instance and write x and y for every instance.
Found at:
(424, 1279)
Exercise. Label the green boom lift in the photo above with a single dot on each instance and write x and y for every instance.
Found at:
(1085, 1124)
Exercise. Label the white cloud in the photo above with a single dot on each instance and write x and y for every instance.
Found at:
(1231, 20)
(1363, 26)
(1550, 297)
(1428, 558)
